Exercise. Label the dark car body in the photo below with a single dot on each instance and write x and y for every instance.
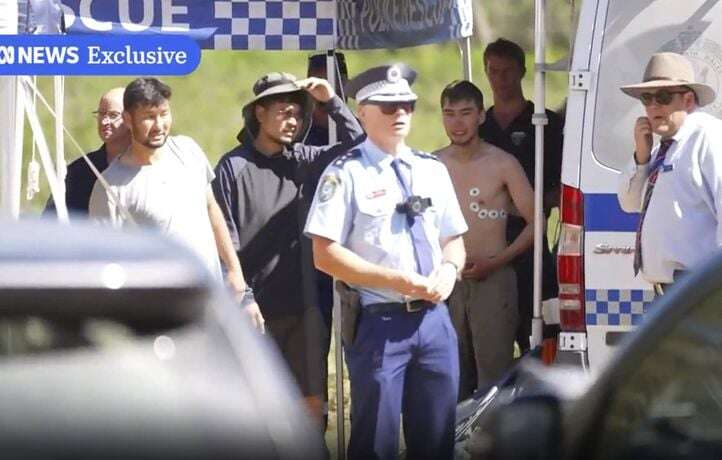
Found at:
(660, 397)
(120, 345)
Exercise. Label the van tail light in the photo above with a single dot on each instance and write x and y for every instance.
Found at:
(570, 260)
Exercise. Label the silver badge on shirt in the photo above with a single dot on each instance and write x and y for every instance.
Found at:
(329, 185)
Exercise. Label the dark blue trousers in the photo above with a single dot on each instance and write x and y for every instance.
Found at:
(403, 363)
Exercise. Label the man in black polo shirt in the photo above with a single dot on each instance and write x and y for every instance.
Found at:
(508, 126)
(115, 135)
(264, 187)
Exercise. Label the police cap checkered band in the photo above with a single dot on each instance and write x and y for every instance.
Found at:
(388, 83)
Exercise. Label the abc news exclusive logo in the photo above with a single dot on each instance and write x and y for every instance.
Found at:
(98, 55)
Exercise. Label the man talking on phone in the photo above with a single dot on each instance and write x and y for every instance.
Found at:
(676, 185)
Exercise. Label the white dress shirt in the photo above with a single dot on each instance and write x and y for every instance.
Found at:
(681, 226)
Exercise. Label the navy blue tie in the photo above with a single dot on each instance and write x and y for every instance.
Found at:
(651, 180)
(422, 248)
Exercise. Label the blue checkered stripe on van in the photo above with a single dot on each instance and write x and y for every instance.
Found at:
(616, 307)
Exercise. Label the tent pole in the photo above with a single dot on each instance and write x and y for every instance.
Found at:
(538, 120)
(11, 124)
(59, 101)
(45, 158)
(340, 416)
(465, 45)
(11, 146)
(331, 77)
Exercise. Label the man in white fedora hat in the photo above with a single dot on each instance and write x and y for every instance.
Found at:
(676, 186)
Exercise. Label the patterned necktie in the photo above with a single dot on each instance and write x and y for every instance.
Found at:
(422, 248)
(651, 180)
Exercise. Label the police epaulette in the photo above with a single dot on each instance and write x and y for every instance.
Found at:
(425, 155)
(342, 159)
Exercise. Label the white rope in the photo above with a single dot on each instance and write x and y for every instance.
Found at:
(99, 176)
(44, 152)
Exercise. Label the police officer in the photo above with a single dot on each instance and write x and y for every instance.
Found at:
(385, 219)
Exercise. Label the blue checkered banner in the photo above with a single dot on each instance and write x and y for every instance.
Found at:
(215, 24)
(276, 24)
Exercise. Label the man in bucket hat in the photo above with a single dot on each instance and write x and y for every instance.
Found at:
(385, 220)
(264, 187)
(676, 186)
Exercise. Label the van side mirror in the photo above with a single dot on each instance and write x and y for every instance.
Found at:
(528, 429)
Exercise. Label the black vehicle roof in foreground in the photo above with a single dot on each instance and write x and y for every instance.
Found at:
(36, 254)
(197, 383)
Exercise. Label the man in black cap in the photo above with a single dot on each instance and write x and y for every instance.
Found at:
(385, 220)
(318, 133)
(264, 187)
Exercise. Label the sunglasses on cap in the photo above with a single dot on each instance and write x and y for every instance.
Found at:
(390, 108)
(661, 97)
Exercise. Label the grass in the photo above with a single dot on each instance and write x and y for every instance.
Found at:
(331, 432)
(207, 103)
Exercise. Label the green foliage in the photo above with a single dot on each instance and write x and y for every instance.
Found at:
(207, 103)
(503, 18)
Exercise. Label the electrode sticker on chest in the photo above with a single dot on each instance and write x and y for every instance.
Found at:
(484, 213)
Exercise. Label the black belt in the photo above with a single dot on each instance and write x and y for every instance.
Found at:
(395, 307)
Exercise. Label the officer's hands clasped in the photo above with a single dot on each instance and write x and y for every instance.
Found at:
(414, 286)
(435, 288)
(443, 279)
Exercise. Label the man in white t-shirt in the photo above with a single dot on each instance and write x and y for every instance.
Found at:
(164, 182)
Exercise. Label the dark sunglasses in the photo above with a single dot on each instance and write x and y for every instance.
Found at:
(390, 108)
(662, 97)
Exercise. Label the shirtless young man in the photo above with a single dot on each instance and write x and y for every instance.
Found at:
(490, 184)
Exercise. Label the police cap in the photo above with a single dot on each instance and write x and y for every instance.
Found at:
(387, 83)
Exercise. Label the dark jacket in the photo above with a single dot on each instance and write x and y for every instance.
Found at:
(265, 201)
(79, 183)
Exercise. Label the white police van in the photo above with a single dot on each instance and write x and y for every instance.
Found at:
(600, 299)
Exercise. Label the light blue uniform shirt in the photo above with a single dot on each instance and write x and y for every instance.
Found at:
(355, 205)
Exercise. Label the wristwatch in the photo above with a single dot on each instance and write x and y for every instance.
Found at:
(456, 268)
(248, 297)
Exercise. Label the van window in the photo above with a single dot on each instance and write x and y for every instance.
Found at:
(692, 28)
